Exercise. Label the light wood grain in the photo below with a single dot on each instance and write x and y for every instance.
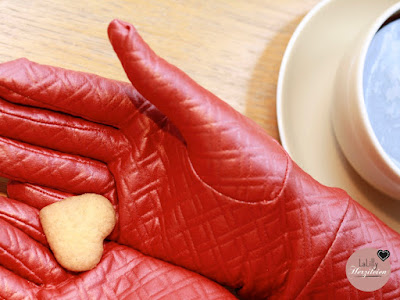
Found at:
(232, 47)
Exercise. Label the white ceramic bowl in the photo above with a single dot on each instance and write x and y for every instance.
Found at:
(351, 124)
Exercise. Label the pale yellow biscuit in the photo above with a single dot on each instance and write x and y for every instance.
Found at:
(75, 229)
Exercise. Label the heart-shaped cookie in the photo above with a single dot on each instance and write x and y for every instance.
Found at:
(75, 229)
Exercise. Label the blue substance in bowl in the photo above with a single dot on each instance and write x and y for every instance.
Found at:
(381, 84)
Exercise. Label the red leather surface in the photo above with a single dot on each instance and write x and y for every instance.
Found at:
(194, 184)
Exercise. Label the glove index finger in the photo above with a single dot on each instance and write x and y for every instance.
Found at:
(79, 94)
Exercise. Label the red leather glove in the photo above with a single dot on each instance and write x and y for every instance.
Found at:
(193, 181)
(28, 269)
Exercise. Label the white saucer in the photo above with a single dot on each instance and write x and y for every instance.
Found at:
(305, 94)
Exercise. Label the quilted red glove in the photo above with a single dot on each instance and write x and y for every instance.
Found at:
(28, 269)
(193, 181)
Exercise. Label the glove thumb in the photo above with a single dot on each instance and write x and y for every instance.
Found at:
(227, 150)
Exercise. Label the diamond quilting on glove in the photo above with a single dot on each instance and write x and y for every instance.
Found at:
(28, 270)
(193, 182)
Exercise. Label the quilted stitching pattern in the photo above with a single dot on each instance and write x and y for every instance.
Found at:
(211, 128)
(126, 274)
(194, 183)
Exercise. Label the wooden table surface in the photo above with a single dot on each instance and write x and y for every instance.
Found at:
(232, 47)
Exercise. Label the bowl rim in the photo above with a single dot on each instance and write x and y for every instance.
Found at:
(360, 100)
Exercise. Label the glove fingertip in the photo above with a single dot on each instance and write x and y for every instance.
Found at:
(119, 33)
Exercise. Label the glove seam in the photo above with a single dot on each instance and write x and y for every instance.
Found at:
(43, 191)
(285, 178)
(87, 128)
(256, 202)
(56, 153)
